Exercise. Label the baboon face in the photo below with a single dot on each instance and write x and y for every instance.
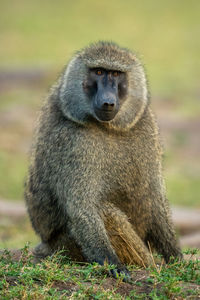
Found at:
(105, 90)
(104, 84)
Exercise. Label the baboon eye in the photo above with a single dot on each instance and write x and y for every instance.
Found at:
(99, 72)
(115, 73)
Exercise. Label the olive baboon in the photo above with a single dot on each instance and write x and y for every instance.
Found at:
(95, 186)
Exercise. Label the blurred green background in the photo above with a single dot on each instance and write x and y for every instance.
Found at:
(38, 37)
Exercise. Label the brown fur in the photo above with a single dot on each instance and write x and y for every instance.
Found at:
(96, 188)
(127, 244)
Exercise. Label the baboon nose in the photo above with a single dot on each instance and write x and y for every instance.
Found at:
(108, 105)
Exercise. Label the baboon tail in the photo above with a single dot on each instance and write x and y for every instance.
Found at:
(127, 244)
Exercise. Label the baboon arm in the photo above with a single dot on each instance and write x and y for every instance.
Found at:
(88, 230)
(80, 200)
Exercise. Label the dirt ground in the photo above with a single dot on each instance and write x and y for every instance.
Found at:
(139, 283)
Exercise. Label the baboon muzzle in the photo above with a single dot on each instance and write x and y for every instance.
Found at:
(106, 103)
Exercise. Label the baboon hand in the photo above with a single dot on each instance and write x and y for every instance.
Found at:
(121, 272)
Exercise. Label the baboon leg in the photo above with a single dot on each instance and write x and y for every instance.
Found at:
(59, 241)
(46, 217)
(162, 236)
(41, 251)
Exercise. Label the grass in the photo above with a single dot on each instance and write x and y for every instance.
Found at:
(181, 175)
(183, 190)
(59, 278)
(15, 232)
(14, 98)
(13, 169)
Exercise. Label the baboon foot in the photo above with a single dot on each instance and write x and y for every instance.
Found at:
(41, 251)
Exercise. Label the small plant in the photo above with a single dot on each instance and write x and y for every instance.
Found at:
(59, 278)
